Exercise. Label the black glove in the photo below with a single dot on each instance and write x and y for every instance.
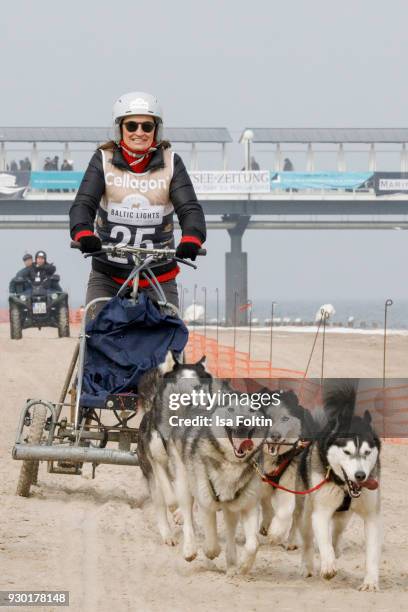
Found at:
(187, 250)
(90, 244)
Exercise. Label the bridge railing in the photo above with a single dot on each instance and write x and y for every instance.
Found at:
(227, 182)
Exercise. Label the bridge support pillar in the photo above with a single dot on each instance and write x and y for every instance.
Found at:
(371, 158)
(34, 157)
(341, 161)
(310, 158)
(278, 158)
(67, 152)
(194, 157)
(236, 273)
(3, 157)
(404, 158)
(224, 156)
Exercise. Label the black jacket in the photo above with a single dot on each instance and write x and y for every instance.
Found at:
(21, 274)
(182, 195)
(44, 271)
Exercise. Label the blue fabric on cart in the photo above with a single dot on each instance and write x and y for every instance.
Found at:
(124, 341)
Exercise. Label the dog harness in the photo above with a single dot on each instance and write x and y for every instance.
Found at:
(272, 478)
(285, 460)
(216, 496)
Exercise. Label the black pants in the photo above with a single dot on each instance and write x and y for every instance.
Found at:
(101, 285)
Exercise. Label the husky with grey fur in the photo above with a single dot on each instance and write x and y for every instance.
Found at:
(216, 464)
(349, 449)
(291, 430)
(155, 433)
(211, 464)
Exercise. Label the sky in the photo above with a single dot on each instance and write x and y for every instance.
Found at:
(234, 63)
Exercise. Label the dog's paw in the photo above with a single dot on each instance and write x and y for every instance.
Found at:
(371, 586)
(328, 571)
(246, 563)
(232, 571)
(213, 552)
(290, 547)
(306, 571)
(178, 517)
(189, 552)
(170, 540)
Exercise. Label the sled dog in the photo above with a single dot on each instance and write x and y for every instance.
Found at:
(346, 452)
(214, 466)
(155, 433)
(289, 435)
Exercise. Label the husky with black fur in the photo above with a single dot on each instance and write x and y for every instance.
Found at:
(347, 452)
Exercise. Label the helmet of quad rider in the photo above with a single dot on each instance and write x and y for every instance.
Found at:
(41, 254)
(27, 256)
(137, 103)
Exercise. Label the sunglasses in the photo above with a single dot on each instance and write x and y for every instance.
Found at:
(132, 126)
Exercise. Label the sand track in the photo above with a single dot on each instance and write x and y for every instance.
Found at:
(97, 538)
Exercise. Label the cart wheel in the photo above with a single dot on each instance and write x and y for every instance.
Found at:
(63, 322)
(36, 467)
(29, 469)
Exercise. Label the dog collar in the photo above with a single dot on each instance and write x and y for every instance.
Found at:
(285, 460)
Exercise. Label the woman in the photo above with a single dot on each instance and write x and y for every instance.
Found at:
(129, 192)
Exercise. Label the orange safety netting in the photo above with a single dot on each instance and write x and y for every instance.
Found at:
(225, 362)
(75, 315)
(388, 406)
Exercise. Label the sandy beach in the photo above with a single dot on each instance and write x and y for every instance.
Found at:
(347, 353)
(98, 538)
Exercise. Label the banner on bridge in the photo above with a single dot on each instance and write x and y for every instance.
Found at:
(13, 185)
(231, 181)
(56, 180)
(390, 182)
(325, 181)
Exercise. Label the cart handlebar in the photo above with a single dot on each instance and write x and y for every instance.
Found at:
(164, 253)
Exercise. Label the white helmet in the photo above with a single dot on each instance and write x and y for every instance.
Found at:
(137, 103)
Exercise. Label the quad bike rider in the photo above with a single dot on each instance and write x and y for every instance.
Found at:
(28, 262)
(37, 300)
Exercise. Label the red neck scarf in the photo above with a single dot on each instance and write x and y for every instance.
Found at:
(139, 163)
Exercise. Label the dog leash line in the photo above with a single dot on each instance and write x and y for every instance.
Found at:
(276, 485)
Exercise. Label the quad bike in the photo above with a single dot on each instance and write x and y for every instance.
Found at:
(39, 303)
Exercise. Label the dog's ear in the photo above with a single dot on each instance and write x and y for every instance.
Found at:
(367, 417)
(342, 425)
(290, 398)
(201, 362)
(177, 357)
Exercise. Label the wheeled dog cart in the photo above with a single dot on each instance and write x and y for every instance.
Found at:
(66, 434)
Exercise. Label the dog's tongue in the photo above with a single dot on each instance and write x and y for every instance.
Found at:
(370, 483)
(245, 446)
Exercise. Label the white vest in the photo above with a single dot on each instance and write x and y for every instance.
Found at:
(135, 208)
